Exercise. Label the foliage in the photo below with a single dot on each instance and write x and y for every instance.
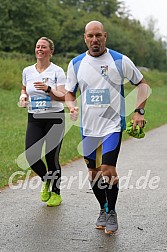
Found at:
(23, 22)
(106, 7)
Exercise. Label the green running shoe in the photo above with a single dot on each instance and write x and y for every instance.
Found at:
(55, 200)
(45, 192)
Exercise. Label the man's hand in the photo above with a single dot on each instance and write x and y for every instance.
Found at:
(74, 113)
(137, 133)
(138, 120)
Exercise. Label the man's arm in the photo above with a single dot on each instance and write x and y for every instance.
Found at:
(142, 94)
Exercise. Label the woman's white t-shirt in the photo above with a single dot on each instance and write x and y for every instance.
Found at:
(39, 101)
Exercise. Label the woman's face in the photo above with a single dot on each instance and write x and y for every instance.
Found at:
(42, 49)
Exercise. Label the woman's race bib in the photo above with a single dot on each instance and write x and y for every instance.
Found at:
(41, 102)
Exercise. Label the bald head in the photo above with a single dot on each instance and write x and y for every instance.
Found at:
(93, 24)
(95, 38)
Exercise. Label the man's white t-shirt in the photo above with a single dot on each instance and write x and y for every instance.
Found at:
(39, 101)
(101, 83)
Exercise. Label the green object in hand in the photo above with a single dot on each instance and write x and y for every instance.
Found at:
(137, 133)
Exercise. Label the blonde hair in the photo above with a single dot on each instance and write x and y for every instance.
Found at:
(51, 44)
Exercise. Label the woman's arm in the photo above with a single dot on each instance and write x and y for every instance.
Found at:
(23, 100)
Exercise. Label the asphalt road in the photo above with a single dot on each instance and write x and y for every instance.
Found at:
(27, 224)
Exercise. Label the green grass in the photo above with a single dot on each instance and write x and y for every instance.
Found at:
(12, 66)
(14, 119)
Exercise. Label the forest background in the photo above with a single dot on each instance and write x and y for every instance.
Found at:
(23, 22)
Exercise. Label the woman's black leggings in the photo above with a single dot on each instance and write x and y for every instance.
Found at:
(49, 129)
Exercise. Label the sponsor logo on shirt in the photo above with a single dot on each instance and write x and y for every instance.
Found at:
(104, 71)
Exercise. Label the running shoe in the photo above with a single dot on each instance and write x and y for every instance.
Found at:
(111, 222)
(45, 193)
(101, 221)
(55, 200)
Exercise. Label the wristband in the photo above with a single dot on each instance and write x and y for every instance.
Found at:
(23, 96)
(48, 89)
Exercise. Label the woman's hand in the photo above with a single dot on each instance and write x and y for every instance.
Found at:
(23, 101)
(40, 86)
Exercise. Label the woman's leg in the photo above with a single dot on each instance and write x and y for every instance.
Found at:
(34, 142)
(54, 136)
(54, 168)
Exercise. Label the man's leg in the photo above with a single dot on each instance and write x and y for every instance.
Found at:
(112, 187)
(98, 186)
(111, 148)
(92, 152)
(109, 172)
(99, 190)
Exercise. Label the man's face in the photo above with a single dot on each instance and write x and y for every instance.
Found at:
(95, 39)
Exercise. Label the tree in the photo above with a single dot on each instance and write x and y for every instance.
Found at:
(105, 7)
(23, 22)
